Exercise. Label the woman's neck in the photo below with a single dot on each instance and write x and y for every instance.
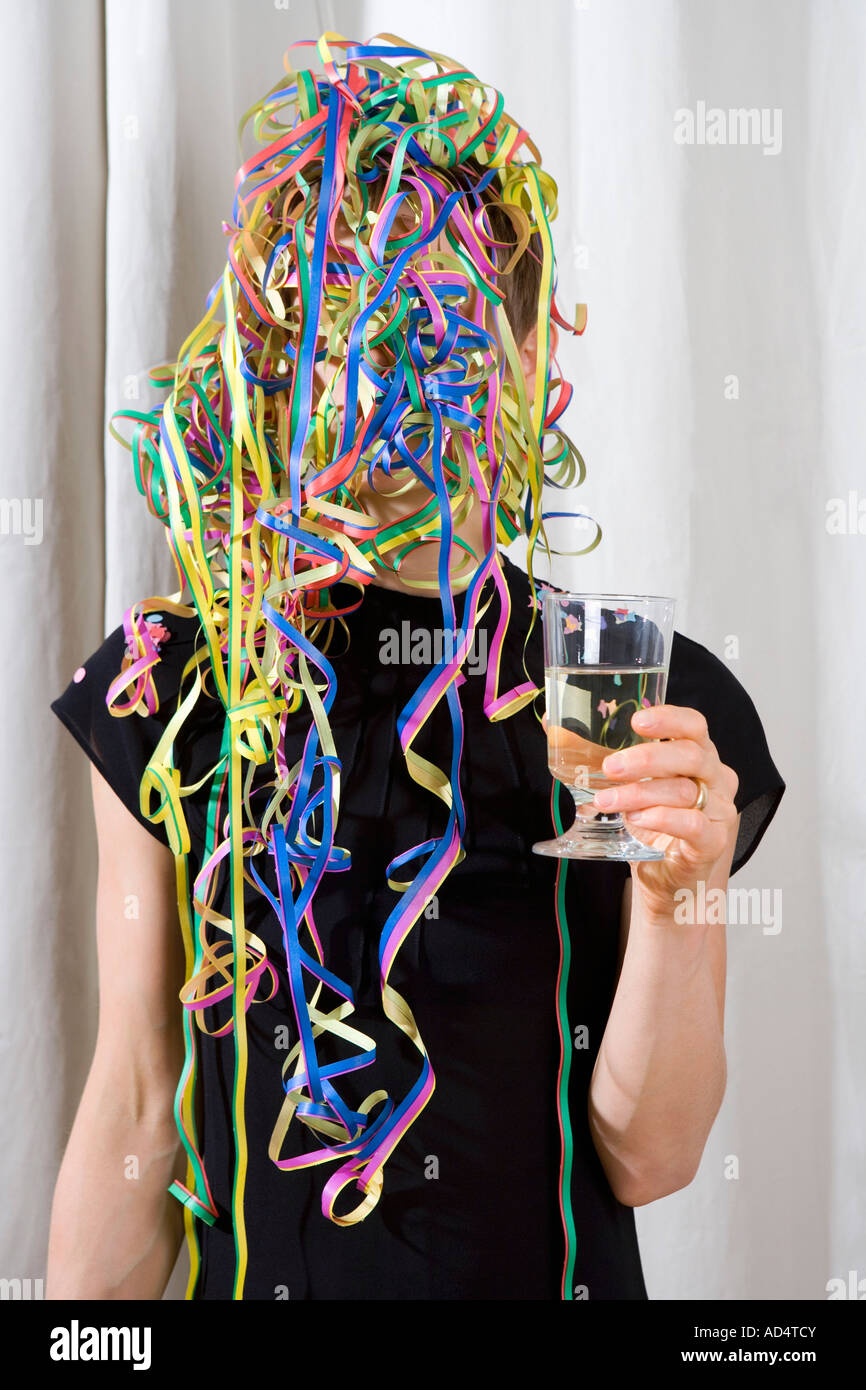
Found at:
(422, 563)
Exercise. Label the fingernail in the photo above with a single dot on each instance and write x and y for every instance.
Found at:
(616, 763)
(604, 799)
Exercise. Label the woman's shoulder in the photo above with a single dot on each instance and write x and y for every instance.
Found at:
(699, 679)
(120, 700)
(696, 670)
(172, 640)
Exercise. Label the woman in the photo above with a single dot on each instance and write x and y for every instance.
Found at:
(504, 1056)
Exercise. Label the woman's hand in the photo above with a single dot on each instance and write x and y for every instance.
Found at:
(659, 812)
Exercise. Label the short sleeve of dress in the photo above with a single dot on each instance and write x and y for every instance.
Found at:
(121, 746)
(701, 680)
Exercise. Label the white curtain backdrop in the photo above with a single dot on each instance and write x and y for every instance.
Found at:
(719, 407)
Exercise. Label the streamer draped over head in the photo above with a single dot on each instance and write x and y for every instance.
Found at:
(362, 247)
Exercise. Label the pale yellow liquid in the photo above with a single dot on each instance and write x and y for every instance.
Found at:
(577, 748)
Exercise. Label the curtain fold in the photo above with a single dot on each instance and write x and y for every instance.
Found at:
(53, 573)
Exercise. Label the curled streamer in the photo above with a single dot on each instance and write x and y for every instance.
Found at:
(362, 244)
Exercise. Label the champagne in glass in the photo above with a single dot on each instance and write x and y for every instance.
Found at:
(605, 656)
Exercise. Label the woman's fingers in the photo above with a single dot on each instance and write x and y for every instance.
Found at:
(678, 792)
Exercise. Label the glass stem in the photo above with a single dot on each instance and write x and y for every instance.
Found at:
(583, 796)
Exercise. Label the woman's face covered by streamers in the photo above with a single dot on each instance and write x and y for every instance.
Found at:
(431, 341)
(389, 498)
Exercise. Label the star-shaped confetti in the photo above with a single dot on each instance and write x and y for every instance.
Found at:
(157, 631)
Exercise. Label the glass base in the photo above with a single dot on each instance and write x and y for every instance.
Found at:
(604, 837)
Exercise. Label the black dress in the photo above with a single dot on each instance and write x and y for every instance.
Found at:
(471, 1202)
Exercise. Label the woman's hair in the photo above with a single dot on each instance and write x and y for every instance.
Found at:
(522, 284)
(332, 256)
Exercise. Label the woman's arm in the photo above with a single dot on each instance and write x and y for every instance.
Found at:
(660, 1074)
(115, 1230)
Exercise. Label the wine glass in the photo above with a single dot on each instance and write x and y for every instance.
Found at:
(605, 657)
